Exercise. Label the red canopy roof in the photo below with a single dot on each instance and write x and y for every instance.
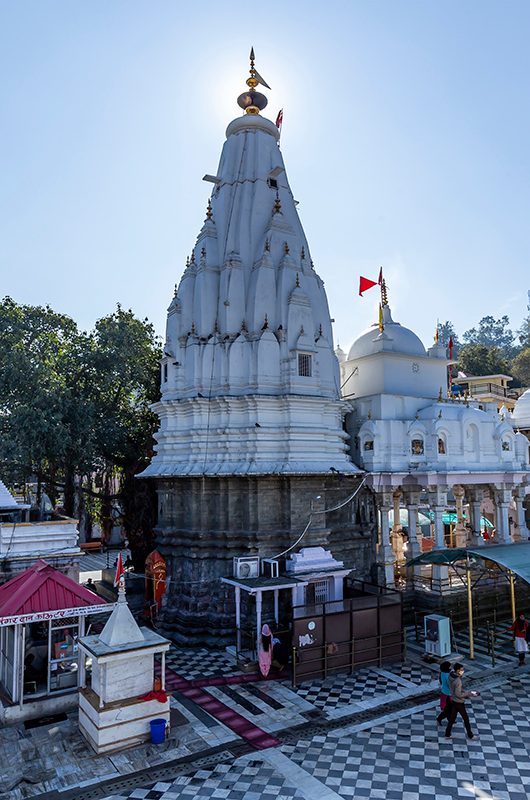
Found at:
(42, 588)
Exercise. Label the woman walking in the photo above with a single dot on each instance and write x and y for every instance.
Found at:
(458, 698)
(519, 628)
(265, 651)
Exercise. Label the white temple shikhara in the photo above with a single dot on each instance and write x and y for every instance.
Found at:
(251, 418)
(417, 442)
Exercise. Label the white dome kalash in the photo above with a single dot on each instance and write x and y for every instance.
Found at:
(521, 412)
(397, 338)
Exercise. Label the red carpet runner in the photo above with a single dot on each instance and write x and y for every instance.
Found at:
(258, 738)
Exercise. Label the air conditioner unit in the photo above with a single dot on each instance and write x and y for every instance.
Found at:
(270, 568)
(246, 567)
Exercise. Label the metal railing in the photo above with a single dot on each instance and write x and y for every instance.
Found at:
(351, 654)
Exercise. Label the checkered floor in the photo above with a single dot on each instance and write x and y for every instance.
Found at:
(342, 690)
(200, 663)
(413, 672)
(410, 758)
(396, 759)
(250, 781)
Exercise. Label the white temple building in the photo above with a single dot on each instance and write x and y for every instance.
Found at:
(420, 445)
(251, 419)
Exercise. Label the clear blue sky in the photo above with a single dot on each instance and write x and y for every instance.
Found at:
(406, 140)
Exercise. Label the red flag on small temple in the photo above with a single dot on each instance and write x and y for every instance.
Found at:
(450, 345)
(365, 284)
(380, 278)
(279, 119)
(120, 572)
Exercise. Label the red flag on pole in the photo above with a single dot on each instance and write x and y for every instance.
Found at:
(120, 572)
(450, 346)
(279, 119)
(365, 284)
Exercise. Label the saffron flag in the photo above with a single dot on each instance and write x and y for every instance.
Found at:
(120, 572)
(365, 284)
(450, 346)
(279, 119)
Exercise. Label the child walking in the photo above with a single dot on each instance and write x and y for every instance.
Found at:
(445, 692)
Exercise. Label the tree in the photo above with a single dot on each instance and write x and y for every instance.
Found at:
(493, 333)
(75, 409)
(524, 331)
(479, 359)
(521, 367)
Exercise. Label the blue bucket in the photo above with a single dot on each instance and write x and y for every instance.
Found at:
(158, 731)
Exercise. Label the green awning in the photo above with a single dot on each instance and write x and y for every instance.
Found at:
(515, 557)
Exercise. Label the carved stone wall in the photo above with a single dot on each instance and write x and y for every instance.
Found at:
(204, 522)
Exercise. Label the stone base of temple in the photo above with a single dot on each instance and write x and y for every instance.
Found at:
(204, 523)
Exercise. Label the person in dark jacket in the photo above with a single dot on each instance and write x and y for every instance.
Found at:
(458, 698)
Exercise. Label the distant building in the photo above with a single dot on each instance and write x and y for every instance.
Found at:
(23, 542)
(488, 389)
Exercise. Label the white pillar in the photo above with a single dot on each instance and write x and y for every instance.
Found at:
(81, 670)
(476, 517)
(503, 497)
(238, 618)
(21, 665)
(504, 514)
(276, 606)
(258, 619)
(387, 557)
(459, 533)
(520, 520)
(15, 685)
(414, 548)
(439, 540)
(438, 504)
(396, 535)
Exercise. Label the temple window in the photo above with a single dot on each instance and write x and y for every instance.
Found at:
(305, 365)
(506, 445)
(164, 373)
(441, 446)
(369, 444)
(416, 447)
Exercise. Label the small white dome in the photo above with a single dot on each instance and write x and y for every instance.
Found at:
(402, 339)
(521, 412)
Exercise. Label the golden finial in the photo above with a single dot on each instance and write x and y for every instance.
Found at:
(277, 204)
(209, 212)
(286, 248)
(297, 278)
(381, 323)
(384, 293)
(440, 395)
(252, 101)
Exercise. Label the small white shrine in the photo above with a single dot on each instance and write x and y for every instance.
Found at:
(115, 711)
